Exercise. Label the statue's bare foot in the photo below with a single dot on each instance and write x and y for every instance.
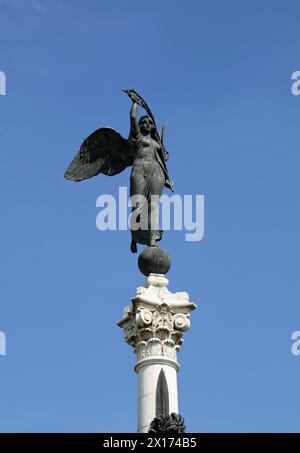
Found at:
(152, 242)
(133, 247)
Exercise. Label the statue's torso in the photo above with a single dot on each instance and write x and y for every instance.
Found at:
(145, 161)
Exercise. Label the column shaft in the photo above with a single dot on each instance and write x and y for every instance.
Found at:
(147, 387)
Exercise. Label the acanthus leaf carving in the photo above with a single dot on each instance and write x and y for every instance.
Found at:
(154, 323)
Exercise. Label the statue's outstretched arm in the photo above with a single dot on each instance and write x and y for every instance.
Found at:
(134, 127)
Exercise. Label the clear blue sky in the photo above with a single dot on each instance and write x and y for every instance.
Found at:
(220, 73)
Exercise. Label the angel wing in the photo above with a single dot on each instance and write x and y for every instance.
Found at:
(104, 151)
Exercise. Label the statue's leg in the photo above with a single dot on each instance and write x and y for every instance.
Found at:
(157, 183)
(139, 212)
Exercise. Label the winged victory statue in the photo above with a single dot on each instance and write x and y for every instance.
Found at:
(106, 151)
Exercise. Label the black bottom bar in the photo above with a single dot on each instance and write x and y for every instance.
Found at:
(136, 442)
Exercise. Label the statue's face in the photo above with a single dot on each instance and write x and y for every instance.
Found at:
(146, 124)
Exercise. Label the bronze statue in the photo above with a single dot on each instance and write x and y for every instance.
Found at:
(106, 151)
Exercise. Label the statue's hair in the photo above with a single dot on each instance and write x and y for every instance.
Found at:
(143, 117)
(153, 130)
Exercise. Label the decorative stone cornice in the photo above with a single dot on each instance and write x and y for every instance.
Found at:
(155, 321)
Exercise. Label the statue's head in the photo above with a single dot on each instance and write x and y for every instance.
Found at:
(146, 124)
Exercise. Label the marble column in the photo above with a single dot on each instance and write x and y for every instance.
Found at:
(153, 325)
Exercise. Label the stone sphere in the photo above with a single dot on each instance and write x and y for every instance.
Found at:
(154, 260)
